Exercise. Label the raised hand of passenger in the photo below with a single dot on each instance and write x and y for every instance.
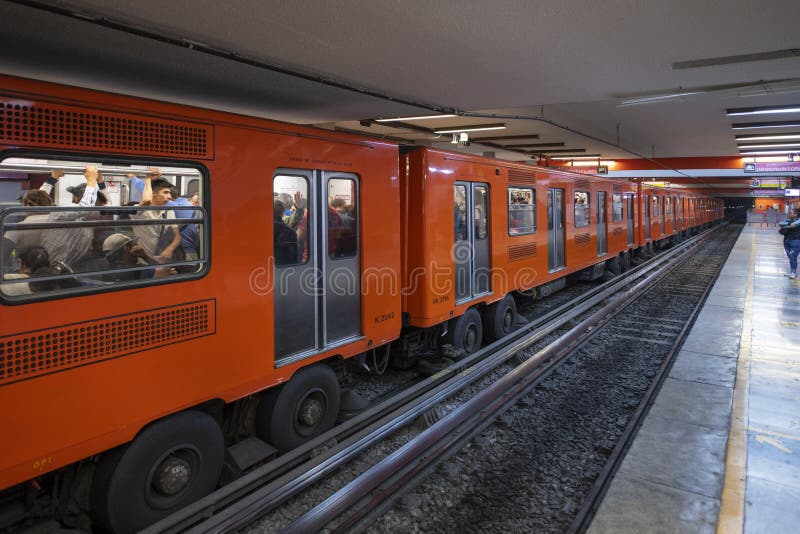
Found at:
(153, 173)
(55, 175)
(298, 201)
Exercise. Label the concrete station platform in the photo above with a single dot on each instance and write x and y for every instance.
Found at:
(720, 448)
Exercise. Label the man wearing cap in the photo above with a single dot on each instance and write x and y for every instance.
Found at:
(71, 245)
(122, 252)
(158, 240)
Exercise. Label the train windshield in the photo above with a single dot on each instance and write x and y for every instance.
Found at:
(74, 226)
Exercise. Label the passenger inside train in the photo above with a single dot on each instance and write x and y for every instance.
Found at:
(75, 217)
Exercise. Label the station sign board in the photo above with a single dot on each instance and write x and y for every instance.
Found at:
(602, 169)
(773, 166)
(769, 183)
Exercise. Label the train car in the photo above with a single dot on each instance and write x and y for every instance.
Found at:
(162, 363)
(477, 229)
(134, 362)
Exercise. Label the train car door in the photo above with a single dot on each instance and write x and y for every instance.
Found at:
(602, 236)
(342, 258)
(471, 233)
(675, 209)
(316, 269)
(296, 328)
(555, 230)
(663, 215)
(647, 217)
(629, 216)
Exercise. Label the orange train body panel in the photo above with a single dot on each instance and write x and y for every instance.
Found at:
(86, 373)
(79, 410)
(518, 262)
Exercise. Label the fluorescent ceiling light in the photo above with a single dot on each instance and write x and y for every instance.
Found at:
(766, 152)
(657, 98)
(774, 124)
(587, 156)
(767, 137)
(772, 145)
(473, 128)
(418, 118)
(765, 110)
(548, 151)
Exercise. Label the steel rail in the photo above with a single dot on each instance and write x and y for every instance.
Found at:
(600, 486)
(430, 446)
(256, 493)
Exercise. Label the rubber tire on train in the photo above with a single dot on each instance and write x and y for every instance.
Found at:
(278, 416)
(123, 498)
(499, 318)
(466, 332)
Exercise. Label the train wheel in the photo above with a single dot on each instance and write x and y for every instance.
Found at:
(466, 332)
(169, 465)
(499, 318)
(302, 409)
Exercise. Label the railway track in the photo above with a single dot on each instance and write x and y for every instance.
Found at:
(398, 442)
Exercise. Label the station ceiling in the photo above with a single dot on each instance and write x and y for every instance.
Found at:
(616, 79)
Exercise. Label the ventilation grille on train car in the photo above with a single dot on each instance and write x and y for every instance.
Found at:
(71, 127)
(520, 252)
(56, 349)
(618, 188)
(581, 239)
(618, 231)
(516, 176)
(581, 183)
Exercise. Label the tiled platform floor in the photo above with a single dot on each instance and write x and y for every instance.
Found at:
(747, 336)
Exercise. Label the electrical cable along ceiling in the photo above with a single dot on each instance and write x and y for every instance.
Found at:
(584, 80)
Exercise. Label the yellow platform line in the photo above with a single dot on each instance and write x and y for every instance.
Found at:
(731, 510)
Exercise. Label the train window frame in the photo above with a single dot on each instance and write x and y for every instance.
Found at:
(519, 207)
(585, 207)
(481, 233)
(90, 285)
(310, 217)
(333, 252)
(460, 218)
(616, 202)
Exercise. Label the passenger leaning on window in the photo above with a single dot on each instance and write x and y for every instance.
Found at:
(158, 240)
(30, 261)
(122, 252)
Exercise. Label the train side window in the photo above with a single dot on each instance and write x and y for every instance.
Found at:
(481, 212)
(616, 200)
(655, 211)
(192, 188)
(66, 238)
(342, 218)
(521, 210)
(460, 212)
(290, 218)
(667, 206)
(582, 209)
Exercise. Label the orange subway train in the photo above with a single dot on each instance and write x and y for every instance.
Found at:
(178, 280)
